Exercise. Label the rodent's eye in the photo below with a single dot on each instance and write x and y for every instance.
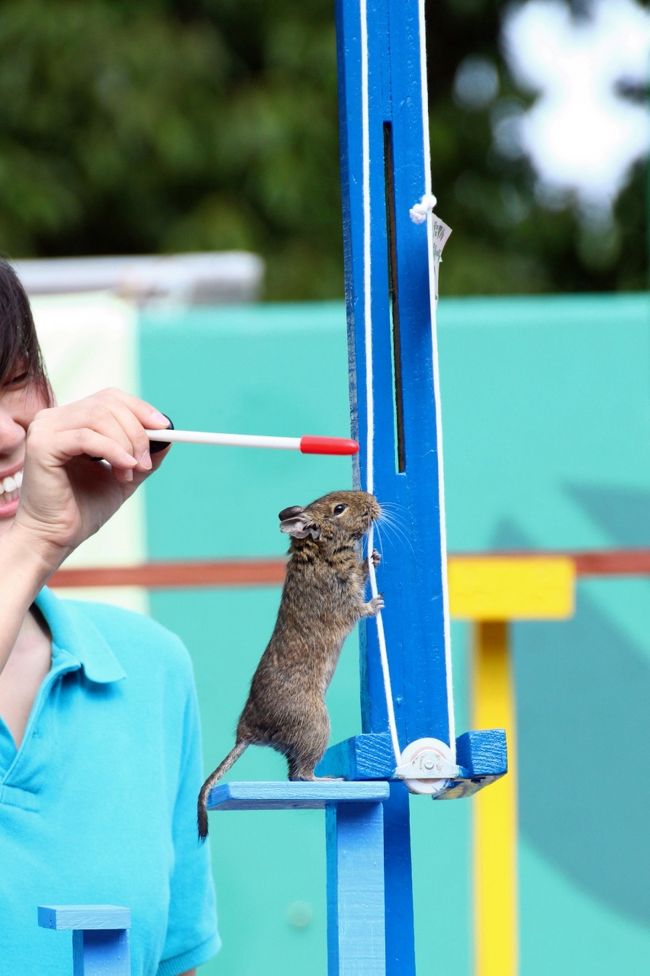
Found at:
(339, 509)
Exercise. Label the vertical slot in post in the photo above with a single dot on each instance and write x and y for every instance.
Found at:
(391, 239)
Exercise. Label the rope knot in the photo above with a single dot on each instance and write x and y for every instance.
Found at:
(420, 211)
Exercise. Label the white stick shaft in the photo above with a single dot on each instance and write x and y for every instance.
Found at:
(234, 440)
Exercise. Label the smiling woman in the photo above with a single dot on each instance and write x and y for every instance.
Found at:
(128, 685)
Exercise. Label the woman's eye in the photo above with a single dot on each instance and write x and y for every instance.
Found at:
(338, 509)
(17, 379)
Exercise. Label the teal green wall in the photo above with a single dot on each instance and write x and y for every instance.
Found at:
(545, 411)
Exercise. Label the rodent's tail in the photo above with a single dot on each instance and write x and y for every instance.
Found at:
(223, 767)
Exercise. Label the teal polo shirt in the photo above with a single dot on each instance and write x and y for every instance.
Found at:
(98, 806)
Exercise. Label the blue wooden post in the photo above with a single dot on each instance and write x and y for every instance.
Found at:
(384, 174)
(385, 164)
(400, 935)
(356, 940)
(100, 938)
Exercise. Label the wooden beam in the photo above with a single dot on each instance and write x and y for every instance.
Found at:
(270, 572)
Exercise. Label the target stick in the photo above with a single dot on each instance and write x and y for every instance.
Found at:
(307, 444)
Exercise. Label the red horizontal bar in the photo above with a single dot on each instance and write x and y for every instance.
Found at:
(270, 572)
(624, 563)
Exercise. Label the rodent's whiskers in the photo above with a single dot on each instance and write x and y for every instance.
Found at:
(393, 512)
(390, 522)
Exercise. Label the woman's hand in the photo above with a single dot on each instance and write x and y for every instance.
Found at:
(67, 494)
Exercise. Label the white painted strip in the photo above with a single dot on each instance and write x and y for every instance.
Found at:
(367, 250)
(433, 301)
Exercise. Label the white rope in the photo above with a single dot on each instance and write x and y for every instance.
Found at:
(420, 212)
(434, 260)
(370, 406)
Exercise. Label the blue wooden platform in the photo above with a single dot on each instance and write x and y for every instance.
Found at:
(279, 795)
(100, 937)
(356, 869)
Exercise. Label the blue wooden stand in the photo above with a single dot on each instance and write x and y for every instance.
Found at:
(356, 937)
(395, 407)
(100, 937)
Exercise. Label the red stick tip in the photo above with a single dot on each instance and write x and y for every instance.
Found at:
(327, 445)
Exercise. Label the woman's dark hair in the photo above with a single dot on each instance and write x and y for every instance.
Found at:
(18, 340)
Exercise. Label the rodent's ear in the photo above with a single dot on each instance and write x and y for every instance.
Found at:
(294, 522)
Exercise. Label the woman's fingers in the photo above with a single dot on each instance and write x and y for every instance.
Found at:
(148, 416)
(112, 414)
(136, 416)
(124, 426)
(80, 441)
(82, 461)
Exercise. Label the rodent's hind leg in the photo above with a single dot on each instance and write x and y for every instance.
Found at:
(301, 771)
(301, 767)
(298, 771)
(300, 775)
(306, 742)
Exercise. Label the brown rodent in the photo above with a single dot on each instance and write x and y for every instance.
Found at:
(322, 599)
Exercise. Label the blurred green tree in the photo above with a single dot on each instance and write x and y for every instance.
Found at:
(178, 125)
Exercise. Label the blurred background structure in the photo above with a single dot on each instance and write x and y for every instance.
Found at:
(170, 189)
(210, 125)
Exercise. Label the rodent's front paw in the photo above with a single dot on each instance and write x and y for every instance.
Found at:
(375, 605)
(376, 557)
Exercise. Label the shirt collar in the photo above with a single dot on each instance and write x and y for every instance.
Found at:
(74, 631)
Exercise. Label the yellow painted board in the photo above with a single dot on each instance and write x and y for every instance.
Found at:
(511, 587)
(495, 810)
